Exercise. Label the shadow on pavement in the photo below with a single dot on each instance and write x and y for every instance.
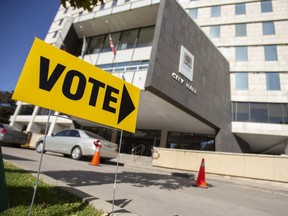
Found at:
(77, 178)
(10, 157)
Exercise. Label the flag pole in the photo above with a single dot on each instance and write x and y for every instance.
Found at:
(113, 48)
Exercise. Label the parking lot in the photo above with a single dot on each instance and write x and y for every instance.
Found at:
(144, 190)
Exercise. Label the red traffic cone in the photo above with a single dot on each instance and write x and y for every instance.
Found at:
(201, 181)
(96, 157)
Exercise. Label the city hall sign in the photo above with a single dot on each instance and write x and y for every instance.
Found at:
(186, 68)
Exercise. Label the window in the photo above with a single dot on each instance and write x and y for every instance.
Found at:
(114, 2)
(102, 6)
(259, 112)
(26, 110)
(178, 140)
(241, 54)
(193, 13)
(240, 30)
(241, 111)
(214, 31)
(240, 9)
(43, 111)
(272, 81)
(125, 66)
(145, 37)
(268, 28)
(266, 6)
(115, 39)
(55, 34)
(66, 9)
(73, 133)
(241, 81)
(128, 39)
(62, 133)
(285, 113)
(270, 53)
(275, 113)
(215, 11)
(60, 22)
(95, 44)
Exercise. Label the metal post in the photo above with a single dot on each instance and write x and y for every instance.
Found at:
(116, 174)
(40, 163)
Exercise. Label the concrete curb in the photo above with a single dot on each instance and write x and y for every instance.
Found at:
(106, 207)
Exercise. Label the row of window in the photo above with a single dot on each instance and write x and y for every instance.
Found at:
(266, 6)
(190, 141)
(122, 40)
(241, 111)
(270, 53)
(272, 81)
(28, 109)
(268, 28)
(260, 112)
(125, 66)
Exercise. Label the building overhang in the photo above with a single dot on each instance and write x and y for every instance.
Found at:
(126, 16)
(262, 138)
(155, 113)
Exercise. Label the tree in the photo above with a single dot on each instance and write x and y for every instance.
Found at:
(7, 106)
(85, 4)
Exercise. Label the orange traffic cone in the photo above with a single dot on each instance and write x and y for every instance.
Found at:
(96, 158)
(201, 181)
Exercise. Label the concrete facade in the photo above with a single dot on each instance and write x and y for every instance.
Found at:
(252, 19)
(211, 104)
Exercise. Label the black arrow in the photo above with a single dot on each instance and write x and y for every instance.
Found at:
(126, 106)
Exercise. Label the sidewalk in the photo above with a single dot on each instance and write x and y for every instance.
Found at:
(146, 190)
(144, 164)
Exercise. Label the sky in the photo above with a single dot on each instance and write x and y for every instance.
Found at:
(20, 22)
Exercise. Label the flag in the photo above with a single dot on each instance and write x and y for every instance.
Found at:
(84, 47)
(112, 45)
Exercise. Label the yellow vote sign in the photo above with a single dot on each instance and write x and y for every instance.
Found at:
(56, 80)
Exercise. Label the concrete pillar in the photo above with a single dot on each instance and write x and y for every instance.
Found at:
(17, 110)
(53, 122)
(163, 139)
(31, 122)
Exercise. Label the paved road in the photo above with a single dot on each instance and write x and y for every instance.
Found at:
(156, 192)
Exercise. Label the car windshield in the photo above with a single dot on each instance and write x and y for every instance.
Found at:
(93, 135)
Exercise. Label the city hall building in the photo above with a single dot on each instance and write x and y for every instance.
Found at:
(213, 74)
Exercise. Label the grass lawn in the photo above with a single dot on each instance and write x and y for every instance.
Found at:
(49, 200)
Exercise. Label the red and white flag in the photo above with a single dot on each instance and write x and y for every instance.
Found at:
(112, 45)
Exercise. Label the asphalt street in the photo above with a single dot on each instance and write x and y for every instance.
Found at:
(150, 191)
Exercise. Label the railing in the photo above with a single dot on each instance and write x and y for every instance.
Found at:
(125, 68)
(138, 150)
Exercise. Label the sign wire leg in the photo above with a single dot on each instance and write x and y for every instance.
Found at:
(116, 174)
(40, 163)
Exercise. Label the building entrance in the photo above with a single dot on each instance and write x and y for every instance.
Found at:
(142, 142)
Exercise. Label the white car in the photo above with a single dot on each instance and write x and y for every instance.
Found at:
(77, 143)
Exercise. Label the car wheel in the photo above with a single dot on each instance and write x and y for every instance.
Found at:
(39, 147)
(76, 153)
